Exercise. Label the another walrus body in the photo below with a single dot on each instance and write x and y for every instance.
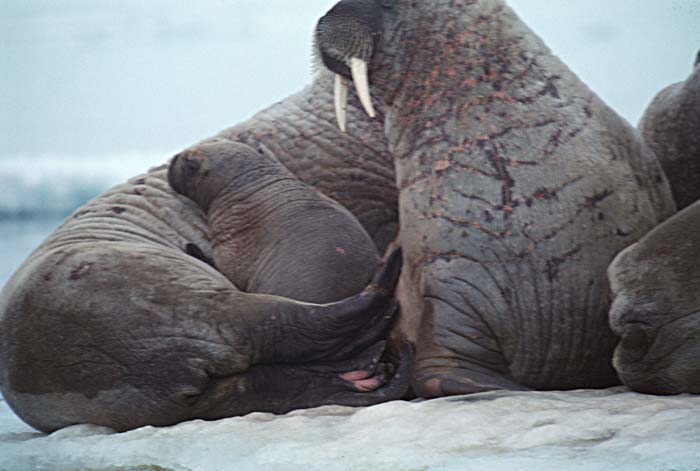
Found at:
(110, 322)
(671, 126)
(517, 188)
(656, 311)
(656, 282)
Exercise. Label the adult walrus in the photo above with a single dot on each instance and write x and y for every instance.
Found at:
(671, 126)
(271, 232)
(114, 320)
(517, 187)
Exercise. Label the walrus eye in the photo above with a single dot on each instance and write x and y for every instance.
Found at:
(192, 165)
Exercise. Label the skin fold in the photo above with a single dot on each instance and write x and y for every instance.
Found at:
(671, 126)
(272, 233)
(120, 319)
(517, 188)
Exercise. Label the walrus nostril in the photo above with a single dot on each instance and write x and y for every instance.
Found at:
(635, 342)
(192, 165)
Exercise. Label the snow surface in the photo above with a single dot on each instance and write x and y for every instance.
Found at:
(564, 431)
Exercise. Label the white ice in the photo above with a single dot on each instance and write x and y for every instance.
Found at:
(564, 431)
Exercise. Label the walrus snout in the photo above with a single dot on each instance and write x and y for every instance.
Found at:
(174, 178)
(635, 343)
(184, 169)
(188, 163)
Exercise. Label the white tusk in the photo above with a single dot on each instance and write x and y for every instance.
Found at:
(341, 102)
(358, 67)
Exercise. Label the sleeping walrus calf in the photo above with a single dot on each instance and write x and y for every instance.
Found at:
(272, 233)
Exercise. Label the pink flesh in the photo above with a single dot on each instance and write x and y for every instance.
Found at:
(367, 385)
(356, 375)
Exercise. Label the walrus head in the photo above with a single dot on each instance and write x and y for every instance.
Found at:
(656, 308)
(346, 38)
(204, 170)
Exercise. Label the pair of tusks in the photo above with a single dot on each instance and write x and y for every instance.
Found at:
(358, 68)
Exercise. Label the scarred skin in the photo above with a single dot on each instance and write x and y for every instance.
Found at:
(517, 188)
(671, 127)
(272, 233)
(119, 319)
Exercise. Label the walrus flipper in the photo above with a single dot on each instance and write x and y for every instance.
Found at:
(311, 332)
(283, 388)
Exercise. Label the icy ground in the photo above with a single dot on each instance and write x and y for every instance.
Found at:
(571, 431)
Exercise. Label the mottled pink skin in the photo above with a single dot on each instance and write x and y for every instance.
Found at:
(356, 375)
(367, 385)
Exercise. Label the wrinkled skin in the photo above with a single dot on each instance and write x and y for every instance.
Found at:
(354, 168)
(120, 320)
(656, 283)
(517, 188)
(272, 233)
(671, 126)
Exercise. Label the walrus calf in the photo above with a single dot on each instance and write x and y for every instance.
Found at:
(111, 322)
(272, 233)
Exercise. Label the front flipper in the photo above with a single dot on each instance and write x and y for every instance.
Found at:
(282, 388)
(301, 333)
(456, 354)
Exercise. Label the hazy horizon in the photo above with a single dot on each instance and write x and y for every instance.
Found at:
(86, 78)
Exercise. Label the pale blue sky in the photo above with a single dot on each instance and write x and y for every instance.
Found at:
(96, 77)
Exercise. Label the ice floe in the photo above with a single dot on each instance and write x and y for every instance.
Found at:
(564, 431)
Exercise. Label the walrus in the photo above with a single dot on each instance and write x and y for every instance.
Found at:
(656, 309)
(517, 187)
(656, 281)
(111, 322)
(272, 233)
(671, 126)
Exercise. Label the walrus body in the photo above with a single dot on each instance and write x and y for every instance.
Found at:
(110, 322)
(119, 318)
(517, 188)
(271, 232)
(656, 311)
(671, 126)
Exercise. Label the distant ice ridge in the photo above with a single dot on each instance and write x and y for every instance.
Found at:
(41, 186)
(500, 431)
